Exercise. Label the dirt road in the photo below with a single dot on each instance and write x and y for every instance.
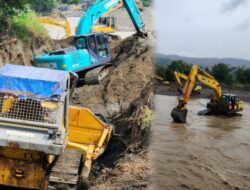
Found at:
(206, 153)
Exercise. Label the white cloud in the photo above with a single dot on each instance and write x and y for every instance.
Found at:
(244, 25)
(232, 5)
(197, 28)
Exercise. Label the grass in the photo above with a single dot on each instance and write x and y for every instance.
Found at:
(27, 23)
(147, 117)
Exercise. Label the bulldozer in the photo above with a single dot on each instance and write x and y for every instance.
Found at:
(44, 142)
(220, 104)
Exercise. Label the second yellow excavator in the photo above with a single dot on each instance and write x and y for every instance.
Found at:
(220, 104)
(178, 76)
(59, 22)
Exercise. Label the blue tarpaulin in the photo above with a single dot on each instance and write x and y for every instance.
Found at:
(32, 82)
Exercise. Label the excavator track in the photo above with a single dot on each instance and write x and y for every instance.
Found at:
(64, 174)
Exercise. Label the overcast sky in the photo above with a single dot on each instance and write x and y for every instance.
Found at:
(203, 28)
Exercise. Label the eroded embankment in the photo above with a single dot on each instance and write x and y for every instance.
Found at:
(125, 97)
(15, 51)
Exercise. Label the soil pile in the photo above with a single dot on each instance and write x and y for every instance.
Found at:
(130, 172)
(131, 72)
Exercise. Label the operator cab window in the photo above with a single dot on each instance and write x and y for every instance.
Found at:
(81, 43)
(92, 43)
(102, 48)
(102, 21)
(108, 21)
(113, 22)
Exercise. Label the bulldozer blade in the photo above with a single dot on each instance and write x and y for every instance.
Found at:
(179, 115)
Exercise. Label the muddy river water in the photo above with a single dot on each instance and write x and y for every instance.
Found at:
(208, 152)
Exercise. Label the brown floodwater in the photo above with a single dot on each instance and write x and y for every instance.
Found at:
(206, 153)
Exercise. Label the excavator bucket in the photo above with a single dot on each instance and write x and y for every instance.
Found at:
(179, 115)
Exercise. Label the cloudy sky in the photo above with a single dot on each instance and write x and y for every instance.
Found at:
(203, 28)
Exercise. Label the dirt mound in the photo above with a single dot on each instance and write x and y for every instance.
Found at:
(131, 72)
(15, 51)
(131, 172)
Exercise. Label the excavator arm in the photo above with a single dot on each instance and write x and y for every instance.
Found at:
(178, 76)
(212, 83)
(100, 7)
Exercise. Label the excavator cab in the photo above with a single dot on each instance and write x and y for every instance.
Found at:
(105, 24)
(96, 44)
(108, 21)
(228, 104)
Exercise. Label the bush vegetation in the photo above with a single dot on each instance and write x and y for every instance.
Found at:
(146, 3)
(24, 23)
(232, 76)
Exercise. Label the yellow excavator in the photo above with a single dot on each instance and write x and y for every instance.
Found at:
(106, 23)
(178, 76)
(59, 22)
(220, 104)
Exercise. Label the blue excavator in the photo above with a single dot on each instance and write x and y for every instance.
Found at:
(90, 50)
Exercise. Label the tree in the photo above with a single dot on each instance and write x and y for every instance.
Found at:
(229, 80)
(220, 71)
(179, 66)
(44, 6)
(48, 5)
(10, 8)
(240, 75)
(146, 3)
(160, 71)
(247, 75)
(70, 1)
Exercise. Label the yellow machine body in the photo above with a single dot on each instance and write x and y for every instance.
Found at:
(28, 168)
(87, 133)
(105, 25)
(178, 76)
(22, 168)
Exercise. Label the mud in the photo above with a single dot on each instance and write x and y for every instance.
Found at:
(131, 172)
(206, 153)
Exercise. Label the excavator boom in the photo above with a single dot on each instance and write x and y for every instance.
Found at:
(178, 76)
(100, 7)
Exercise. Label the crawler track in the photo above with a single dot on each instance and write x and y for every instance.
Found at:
(65, 172)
